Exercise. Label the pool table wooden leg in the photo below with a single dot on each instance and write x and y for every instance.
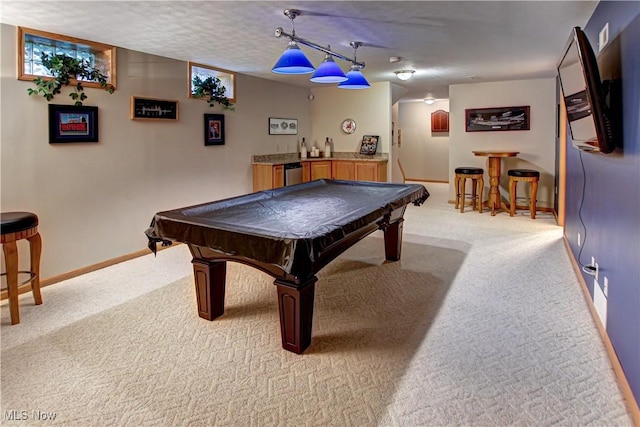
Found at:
(210, 278)
(393, 240)
(296, 313)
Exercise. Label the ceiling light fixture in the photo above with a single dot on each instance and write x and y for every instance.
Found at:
(294, 61)
(429, 100)
(405, 74)
(328, 71)
(355, 78)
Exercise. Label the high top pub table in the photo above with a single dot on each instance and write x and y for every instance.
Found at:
(495, 157)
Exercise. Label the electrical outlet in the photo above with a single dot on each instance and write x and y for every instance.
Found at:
(600, 303)
(278, 148)
(606, 286)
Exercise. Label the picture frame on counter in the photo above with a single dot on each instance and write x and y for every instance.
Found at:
(214, 129)
(154, 109)
(70, 123)
(369, 144)
(279, 126)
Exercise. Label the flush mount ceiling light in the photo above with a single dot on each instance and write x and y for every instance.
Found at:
(405, 74)
(429, 100)
(294, 61)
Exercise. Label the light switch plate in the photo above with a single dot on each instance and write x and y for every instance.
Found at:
(603, 39)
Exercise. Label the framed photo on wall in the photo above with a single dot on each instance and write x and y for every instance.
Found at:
(214, 129)
(496, 119)
(153, 109)
(283, 126)
(68, 124)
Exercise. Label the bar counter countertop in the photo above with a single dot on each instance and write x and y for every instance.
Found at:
(283, 158)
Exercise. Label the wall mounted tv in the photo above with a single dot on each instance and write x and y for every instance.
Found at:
(582, 90)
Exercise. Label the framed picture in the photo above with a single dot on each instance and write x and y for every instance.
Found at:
(369, 144)
(214, 129)
(153, 109)
(283, 126)
(68, 123)
(494, 119)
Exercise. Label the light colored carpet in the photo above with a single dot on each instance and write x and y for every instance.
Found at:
(482, 322)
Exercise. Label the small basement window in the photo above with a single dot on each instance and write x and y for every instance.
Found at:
(227, 78)
(33, 43)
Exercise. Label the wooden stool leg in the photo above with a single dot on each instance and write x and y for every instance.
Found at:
(463, 186)
(456, 183)
(534, 194)
(481, 186)
(474, 194)
(11, 259)
(512, 196)
(35, 246)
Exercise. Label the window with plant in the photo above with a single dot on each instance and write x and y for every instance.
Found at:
(52, 61)
(215, 85)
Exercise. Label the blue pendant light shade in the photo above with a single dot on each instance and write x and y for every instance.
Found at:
(355, 80)
(293, 61)
(328, 72)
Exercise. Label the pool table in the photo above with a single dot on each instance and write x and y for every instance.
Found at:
(289, 233)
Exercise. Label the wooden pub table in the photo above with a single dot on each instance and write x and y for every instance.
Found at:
(495, 157)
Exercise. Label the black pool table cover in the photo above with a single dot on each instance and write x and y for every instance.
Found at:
(286, 226)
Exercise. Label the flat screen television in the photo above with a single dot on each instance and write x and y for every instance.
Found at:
(584, 99)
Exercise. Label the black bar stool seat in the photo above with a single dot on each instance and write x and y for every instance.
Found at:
(16, 226)
(523, 175)
(476, 175)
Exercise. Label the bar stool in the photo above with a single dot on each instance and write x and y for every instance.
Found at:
(16, 226)
(477, 180)
(523, 175)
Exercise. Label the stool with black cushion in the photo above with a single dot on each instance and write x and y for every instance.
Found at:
(476, 175)
(523, 175)
(17, 226)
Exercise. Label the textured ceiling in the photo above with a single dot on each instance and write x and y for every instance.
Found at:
(445, 42)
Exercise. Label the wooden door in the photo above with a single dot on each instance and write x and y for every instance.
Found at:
(366, 171)
(342, 169)
(320, 170)
(278, 176)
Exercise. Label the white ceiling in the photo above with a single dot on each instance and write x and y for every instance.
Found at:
(446, 42)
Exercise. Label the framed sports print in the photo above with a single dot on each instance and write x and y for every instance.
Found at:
(214, 129)
(153, 109)
(70, 123)
(369, 144)
(496, 119)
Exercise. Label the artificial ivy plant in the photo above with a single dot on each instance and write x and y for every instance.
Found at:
(213, 90)
(64, 69)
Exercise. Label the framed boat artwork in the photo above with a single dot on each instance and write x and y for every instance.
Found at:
(497, 119)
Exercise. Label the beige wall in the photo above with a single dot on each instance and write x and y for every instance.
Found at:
(371, 110)
(95, 200)
(536, 146)
(424, 155)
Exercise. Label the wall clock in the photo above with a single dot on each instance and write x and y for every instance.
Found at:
(348, 126)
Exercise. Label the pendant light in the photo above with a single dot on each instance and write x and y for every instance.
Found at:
(293, 60)
(355, 78)
(328, 71)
